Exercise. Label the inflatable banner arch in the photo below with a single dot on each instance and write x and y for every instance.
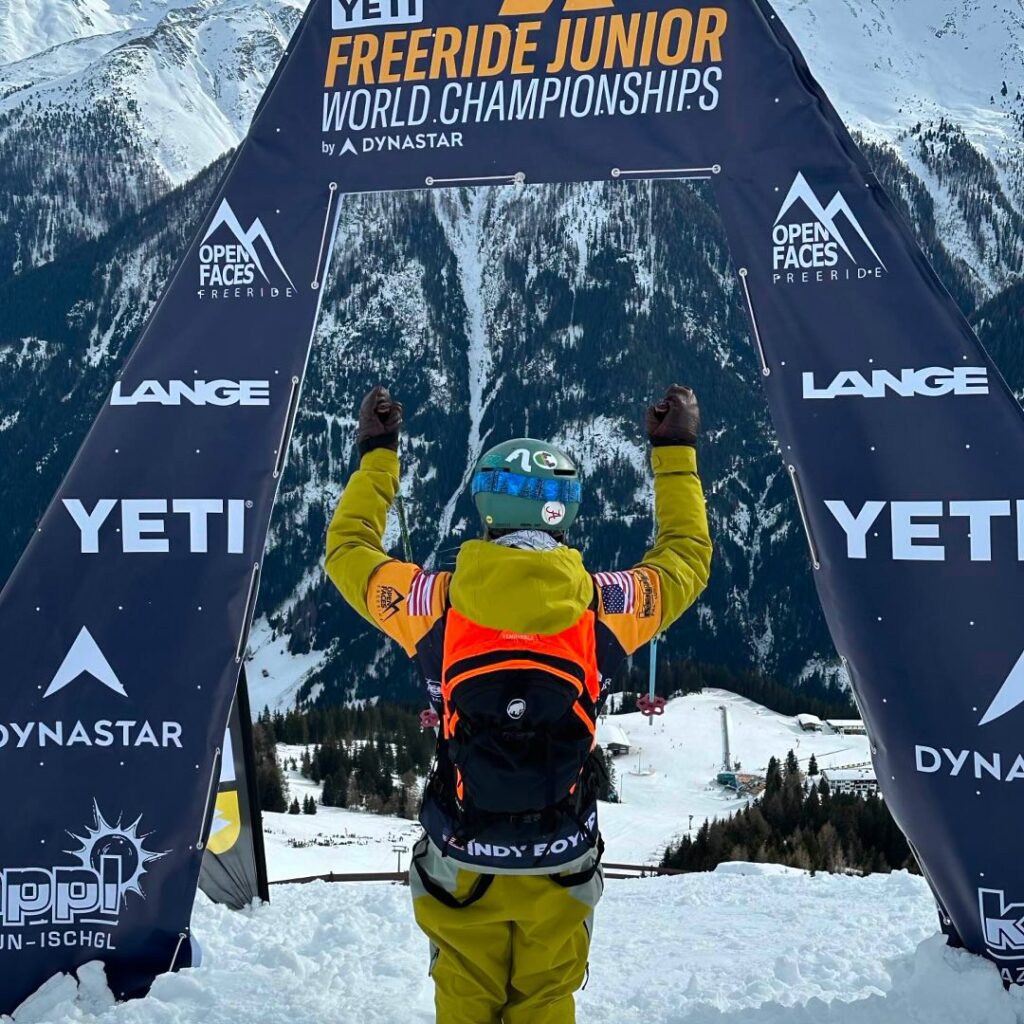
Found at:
(125, 622)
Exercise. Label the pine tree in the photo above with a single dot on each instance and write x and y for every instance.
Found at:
(812, 766)
(271, 787)
(293, 807)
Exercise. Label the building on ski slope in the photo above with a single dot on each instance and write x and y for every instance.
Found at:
(810, 723)
(847, 726)
(857, 781)
(613, 739)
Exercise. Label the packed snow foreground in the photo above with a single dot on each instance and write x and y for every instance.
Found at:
(750, 944)
(753, 944)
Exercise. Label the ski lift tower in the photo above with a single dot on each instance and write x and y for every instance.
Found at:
(726, 751)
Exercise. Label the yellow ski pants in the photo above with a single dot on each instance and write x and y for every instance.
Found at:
(517, 955)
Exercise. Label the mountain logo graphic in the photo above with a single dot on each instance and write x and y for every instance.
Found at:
(820, 243)
(85, 658)
(227, 266)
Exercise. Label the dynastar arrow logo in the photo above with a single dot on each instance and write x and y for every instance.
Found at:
(85, 657)
(1010, 695)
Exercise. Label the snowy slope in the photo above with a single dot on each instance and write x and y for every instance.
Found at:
(699, 949)
(335, 838)
(887, 64)
(29, 26)
(682, 752)
(678, 758)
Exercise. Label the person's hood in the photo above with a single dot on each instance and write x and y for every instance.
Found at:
(519, 590)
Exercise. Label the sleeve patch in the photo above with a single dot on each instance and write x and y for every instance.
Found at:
(421, 593)
(627, 593)
(618, 592)
(388, 601)
(648, 601)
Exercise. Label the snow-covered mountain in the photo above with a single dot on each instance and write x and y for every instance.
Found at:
(427, 292)
(145, 95)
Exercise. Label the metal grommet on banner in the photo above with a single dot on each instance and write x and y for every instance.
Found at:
(815, 561)
(287, 427)
(765, 368)
(250, 610)
(211, 787)
(666, 173)
(332, 189)
(513, 178)
(182, 936)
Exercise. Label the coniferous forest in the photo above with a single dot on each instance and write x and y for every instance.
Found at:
(373, 758)
(800, 823)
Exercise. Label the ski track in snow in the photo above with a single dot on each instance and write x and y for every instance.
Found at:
(722, 948)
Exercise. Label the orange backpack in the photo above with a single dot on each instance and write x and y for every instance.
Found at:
(519, 713)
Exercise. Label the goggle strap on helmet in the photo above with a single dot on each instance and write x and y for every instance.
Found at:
(515, 485)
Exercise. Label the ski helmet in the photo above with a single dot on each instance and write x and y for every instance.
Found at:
(525, 484)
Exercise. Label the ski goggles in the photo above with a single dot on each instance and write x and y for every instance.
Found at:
(515, 485)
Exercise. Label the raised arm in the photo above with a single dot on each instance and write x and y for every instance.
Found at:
(399, 598)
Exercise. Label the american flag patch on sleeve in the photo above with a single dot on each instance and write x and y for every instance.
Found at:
(421, 594)
(618, 592)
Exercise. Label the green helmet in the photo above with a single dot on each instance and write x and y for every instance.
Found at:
(525, 484)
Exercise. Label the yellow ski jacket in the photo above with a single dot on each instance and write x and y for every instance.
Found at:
(529, 592)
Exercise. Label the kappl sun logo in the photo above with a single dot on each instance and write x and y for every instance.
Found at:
(813, 243)
(240, 263)
(108, 865)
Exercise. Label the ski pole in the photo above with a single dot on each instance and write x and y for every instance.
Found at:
(403, 526)
(652, 675)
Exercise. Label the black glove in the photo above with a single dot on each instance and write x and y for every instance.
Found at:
(675, 419)
(380, 419)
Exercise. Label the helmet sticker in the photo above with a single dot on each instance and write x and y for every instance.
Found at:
(553, 513)
(522, 456)
(545, 460)
(516, 708)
